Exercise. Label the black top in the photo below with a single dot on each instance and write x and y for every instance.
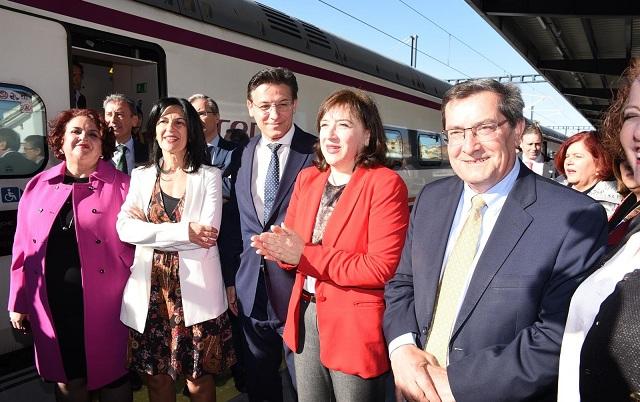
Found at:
(610, 356)
(169, 203)
(63, 277)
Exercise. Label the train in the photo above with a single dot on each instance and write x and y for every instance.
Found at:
(147, 49)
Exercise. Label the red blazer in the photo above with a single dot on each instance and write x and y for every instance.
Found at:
(359, 253)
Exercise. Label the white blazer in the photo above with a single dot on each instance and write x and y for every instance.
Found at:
(201, 284)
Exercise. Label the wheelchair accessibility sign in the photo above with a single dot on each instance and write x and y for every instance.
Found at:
(10, 194)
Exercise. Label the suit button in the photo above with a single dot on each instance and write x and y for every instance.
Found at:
(101, 271)
(424, 331)
(95, 211)
(587, 371)
(98, 241)
(40, 210)
(34, 240)
(91, 188)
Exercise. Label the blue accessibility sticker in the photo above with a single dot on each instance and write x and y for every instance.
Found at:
(10, 194)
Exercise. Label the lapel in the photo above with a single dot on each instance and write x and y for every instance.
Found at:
(345, 207)
(245, 178)
(313, 191)
(296, 161)
(511, 224)
(432, 251)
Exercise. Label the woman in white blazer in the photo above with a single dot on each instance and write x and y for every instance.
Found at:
(175, 301)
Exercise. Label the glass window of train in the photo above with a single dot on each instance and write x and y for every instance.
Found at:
(394, 144)
(23, 122)
(429, 148)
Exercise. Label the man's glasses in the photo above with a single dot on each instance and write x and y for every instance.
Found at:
(280, 107)
(482, 132)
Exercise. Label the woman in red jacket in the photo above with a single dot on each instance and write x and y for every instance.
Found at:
(343, 234)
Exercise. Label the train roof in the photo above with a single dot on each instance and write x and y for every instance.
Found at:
(265, 23)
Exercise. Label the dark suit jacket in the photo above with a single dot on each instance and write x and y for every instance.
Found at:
(279, 282)
(505, 343)
(140, 152)
(14, 163)
(229, 170)
(230, 237)
(548, 168)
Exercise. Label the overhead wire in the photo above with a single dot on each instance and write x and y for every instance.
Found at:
(390, 36)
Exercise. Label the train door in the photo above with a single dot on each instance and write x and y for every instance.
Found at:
(116, 64)
(33, 86)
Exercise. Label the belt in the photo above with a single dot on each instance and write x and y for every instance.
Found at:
(308, 297)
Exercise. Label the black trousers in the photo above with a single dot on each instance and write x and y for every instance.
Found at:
(264, 349)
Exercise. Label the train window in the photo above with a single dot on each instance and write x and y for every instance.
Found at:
(394, 144)
(23, 120)
(429, 148)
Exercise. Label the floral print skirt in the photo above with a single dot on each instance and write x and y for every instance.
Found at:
(167, 346)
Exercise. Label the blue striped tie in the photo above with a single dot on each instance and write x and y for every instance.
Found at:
(272, 180)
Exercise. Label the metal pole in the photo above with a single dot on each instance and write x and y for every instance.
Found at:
(412, 41)
(415, 57)
(531, 113)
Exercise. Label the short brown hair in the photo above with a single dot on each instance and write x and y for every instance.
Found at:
(362, 107)
(510, 105)
(59, 125)
(594, 146)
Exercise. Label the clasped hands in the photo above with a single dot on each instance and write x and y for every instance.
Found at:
(204, 236)
(280, 244)
(419, 377)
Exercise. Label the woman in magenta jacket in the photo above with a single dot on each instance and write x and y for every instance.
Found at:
(69, 267)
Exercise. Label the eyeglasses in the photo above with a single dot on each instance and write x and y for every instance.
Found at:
(204, 113)
(280, 107)
(482, 132)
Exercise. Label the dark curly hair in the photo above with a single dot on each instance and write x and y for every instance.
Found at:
(59, 125)
(614, 118)
(363, 108)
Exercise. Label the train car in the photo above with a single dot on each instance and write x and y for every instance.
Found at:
(147, 49)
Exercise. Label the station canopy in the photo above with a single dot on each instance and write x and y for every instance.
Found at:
(580, 47)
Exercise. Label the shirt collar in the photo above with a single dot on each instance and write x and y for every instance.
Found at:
(284, 140)
(128, 144)
(500, 189)
(214, 142)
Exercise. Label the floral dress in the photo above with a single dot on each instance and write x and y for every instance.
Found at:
(167, 346)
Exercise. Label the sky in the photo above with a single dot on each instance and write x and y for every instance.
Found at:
(453, 42)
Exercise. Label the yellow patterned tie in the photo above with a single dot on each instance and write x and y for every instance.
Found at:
(453, 282)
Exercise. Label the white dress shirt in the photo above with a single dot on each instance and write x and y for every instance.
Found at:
(537, 164)
(495, 198)
(585, 305)
(131, 160)
(260, 166)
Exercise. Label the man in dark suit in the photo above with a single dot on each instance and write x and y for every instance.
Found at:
(13, 162)
(532, 156)
(120, 115)
(270, 164)
(226, 156)
(78, 100)
(220, 152)
(477, 307)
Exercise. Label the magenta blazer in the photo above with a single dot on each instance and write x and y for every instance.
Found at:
(105, 262)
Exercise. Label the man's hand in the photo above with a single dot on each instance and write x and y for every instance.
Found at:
(412, 377)
(441, 380)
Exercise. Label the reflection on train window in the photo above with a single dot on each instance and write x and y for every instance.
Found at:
(394, 144)
(22, 131)
(190, 8)
(429, 147)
